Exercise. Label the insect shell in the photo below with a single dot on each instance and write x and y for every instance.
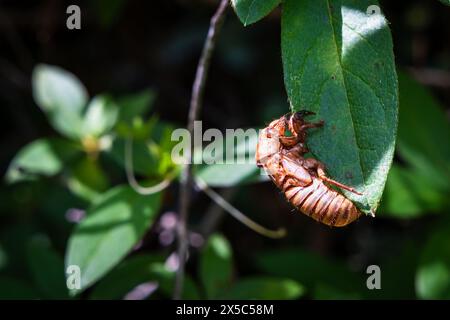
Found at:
(303, 181)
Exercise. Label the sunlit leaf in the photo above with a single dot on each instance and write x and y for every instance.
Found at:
(250, 11)
(112, 227)
(233, 164)
(101, 115)
(62, 97)
(338, 62)
(44, 157)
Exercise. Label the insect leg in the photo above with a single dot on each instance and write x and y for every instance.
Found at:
(309, 125)
(322, 175)
(289, 141)
(320, 169)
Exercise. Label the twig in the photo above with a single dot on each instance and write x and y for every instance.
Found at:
(238, 215)
(132, 179)
(194, 110)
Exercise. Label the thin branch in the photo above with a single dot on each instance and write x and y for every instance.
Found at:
(132, 179)
(194, 110)
(238, 215)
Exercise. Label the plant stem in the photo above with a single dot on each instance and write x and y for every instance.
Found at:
(194, 110)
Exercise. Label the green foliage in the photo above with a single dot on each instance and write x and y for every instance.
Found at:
(126, 276)
(265, 288)
(250, 11)
(13, 289)
(44, 157)
(433, 273)
(338, 62)
(313, 271)
(47, 269)
(112, 227)
(216, 265)
(62, 97)
(137, 270)
(325, 278)
(101, 116)
(222, 174)
(135, 105)
(86, 179)
(216, 271)
(423, 184)
(447, 2)
(421, 122)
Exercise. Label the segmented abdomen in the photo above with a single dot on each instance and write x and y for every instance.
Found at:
(322, 203)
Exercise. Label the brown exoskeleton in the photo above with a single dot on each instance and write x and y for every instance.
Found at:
(302, 180)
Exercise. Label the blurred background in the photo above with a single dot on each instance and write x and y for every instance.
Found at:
(143, 55)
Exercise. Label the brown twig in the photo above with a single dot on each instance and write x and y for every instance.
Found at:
(194, 110)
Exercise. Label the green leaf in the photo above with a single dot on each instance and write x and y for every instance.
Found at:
(228, 175)
(44, 157)
(423, 132)
(338, 62)
(151, 155)
(125, 277)
(265, 288)
(138, 270)
(145, 160)
(241, 169)
(433, 272)
(410, 193)
(447, 2)
(250, 11)
(62, 97)
(14, 289)
(312, 271)
(216, 265)
(135, 105)
(166, 282)
(423, 184)
(101, 116)
(47, 269)
(87, 179)
(112, 227)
